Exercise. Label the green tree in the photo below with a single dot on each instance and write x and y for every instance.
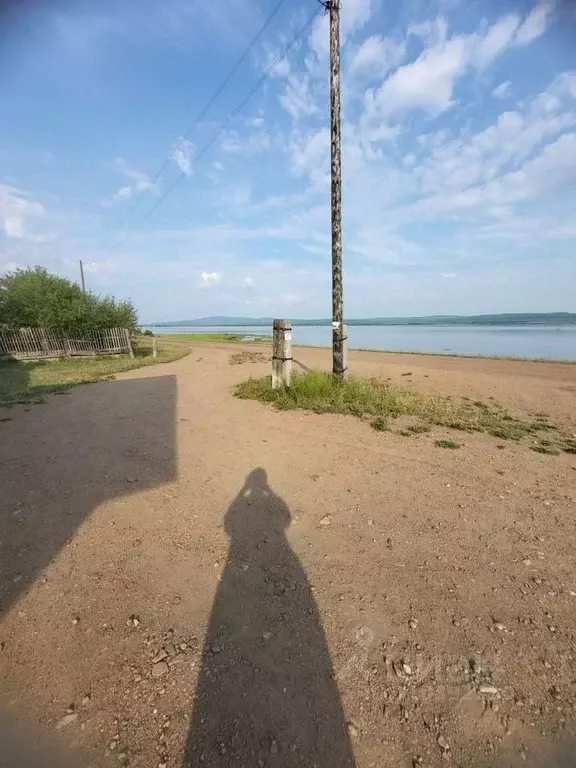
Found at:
(34, 298)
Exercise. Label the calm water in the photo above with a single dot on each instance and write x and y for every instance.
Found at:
(526, 341)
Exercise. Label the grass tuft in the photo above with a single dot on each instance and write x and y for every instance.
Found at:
(547, 449)
(28, 382)
(317, 391)
(238, 358)
(380, 425)
(447, 444)
(418, 429)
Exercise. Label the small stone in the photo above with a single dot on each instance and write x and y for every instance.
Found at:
(86, 700)
(326, 520)
(352, 730)
(160, 656)
(476, 667)
(488, 689)
(76, 620)
(130, 479)
(413, 623)
(442, 743)
(66, 720)
(406, 668)
(267, 635)
(216, 649)
(499, 626)
(273, 747)
(160, 669)
(527, 562)
(183, 646)
(245, 567)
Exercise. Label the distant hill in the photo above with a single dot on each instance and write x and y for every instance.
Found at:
(528, 318)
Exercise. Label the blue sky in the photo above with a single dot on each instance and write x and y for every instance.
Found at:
(459, 155)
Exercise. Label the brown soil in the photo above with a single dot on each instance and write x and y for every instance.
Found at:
(191, 579)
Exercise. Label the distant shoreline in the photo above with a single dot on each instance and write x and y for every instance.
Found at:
(554, 319)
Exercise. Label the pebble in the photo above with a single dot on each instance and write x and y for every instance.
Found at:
(352, 730)
(527, 562)
(274, 747)
(66, 720)
(160, 669)
(407, 669)
(86, 700)
(442, 743)
(488, 689)
(413, 623)
(160, 656)
(325, 520)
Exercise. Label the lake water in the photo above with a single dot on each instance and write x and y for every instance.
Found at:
(552, 342)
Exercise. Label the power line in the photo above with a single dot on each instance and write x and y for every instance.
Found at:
(233, 114)
(203, 113)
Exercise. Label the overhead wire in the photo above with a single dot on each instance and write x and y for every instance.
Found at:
(202, 114)
(234, 113)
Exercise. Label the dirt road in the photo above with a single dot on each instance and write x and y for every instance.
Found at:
(191, 579)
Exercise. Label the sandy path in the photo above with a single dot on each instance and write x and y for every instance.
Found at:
(343, 608)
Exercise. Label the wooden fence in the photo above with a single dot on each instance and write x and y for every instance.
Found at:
(34, 343)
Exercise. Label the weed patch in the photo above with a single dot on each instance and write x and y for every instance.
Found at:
(447, 444)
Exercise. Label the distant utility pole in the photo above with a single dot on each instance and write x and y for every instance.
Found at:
(339, 334)
(82, 276)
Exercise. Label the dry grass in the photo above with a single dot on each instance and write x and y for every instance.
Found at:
(238, 358)
(380, 401)
(25, 382)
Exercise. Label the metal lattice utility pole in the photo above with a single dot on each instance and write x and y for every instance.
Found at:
(339, 334)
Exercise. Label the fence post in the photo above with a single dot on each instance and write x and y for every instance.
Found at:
(281, 354)
(128, 344)
(154, 347)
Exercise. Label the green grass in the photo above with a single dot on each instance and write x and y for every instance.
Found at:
(29, 382)
(378, 400)
(447, 444)
(547, 449)
(236, 338)
(380, 425)
(418, 429)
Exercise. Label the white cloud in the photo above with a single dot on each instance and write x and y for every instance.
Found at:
(248, 282)
(183, 156)
(426, 83)
(377, 55)
(139, 183)
(354, 14)
(297, 98)
(15, 210)
(535, 24)
(495, 42)
(210, 278)
(503, 90)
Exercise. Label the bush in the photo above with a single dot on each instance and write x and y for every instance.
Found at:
(34, 298)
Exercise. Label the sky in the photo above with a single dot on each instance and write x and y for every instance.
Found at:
(458, 154)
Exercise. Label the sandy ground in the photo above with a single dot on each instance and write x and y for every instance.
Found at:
(190, 579)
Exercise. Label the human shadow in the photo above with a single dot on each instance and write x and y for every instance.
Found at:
(60, 461)
(266, 693)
